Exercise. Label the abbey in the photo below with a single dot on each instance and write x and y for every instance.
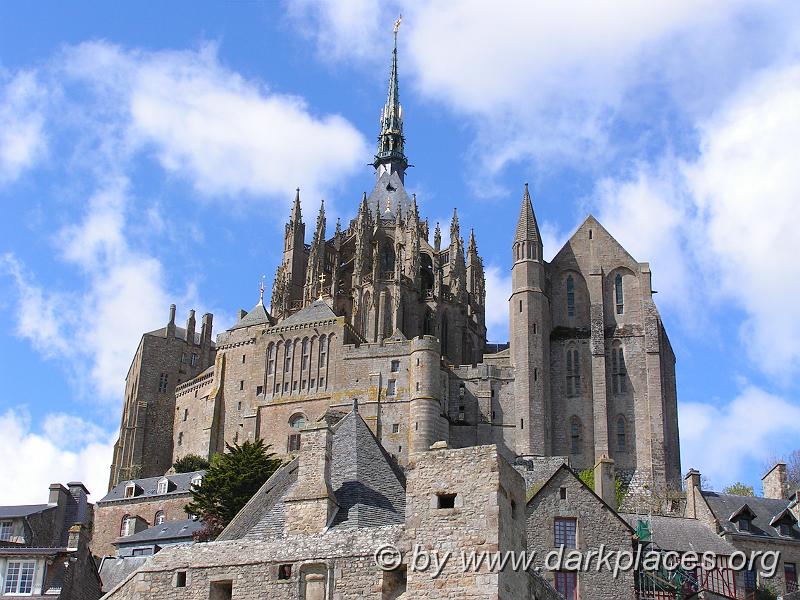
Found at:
(390, 314)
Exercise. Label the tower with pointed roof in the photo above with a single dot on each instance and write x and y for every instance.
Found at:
(529, 327)
(390, 157)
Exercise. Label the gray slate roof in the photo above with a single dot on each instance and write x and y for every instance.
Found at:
(257, 316)
(682, 534)
(527, 228)
(180, 333)
(388, 187)
(169, 531)
(537, 470)
(182, 485)
(24, 510)
(370, 491)
(114, 570)
(318, 311)
(725, 505)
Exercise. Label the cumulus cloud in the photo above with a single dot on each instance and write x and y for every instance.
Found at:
(207, 124)
(67, 448)
(726, 441)
(22, 137)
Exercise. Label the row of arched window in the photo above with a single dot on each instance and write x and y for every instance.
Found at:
(576, 435)
(619, 295)
(298, 366)
(526, 250)
(573, 370)
(128, 523)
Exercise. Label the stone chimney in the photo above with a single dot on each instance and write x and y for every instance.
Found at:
(80, 494)
(311, 504)
(190, 325)
(605, 484)
(60, 497)
(205, 330)
(776, 482)
(693, 492)
(171, 323)
(76, 536)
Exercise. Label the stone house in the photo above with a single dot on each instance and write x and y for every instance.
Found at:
(134, 506)
(44, 550)
(313, 529)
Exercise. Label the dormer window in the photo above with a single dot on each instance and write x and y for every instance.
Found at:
(130, 490)
(783, 522)
(743, 519)
(163, 486)
(197, 480)
(745, 524)
(5, 530)
(784, 530)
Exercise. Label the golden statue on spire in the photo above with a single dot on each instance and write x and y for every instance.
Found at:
(397, 24)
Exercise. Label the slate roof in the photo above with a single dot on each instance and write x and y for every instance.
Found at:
(182, 484)
(25, 510)
(765, 509)
(318, 311)
(169, 531)
(537, 470)
(369, 489)
(180, 333)
(257, 316)
(527, 228)
(388, 187)
(682, 534)
(114, 570)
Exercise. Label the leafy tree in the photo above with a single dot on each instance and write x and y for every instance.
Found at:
(739, 489)
(189, 463)
(230, 481)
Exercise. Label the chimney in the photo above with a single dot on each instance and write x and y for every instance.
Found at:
(693, 492)
(311, 504)
(80, 494)
(205, 331)
(60, 497)
(190, 323)
(75, 537)
(605, 484)
(171, 323)
(776, 482)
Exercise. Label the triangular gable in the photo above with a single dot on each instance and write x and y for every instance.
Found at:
(313, 313)
(581, 237)
(785, 517)
(742, 511)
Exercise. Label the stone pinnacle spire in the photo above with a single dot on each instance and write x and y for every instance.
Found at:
(527, 228)
(390, 157)
(296, 216)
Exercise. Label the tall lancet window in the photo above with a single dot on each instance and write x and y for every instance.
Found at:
(622, 442)
(570, 296)
(306, 352)
(287, 363)
(618, 294)
(573, 372)
(575, 436)
(618, 374)
(271, 360)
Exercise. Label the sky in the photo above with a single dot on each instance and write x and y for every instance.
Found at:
(149, 154)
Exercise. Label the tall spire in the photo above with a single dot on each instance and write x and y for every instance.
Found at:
(527, 228)
(391, 157)
(296, 215)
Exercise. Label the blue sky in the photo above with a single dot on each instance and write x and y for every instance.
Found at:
(149, 155)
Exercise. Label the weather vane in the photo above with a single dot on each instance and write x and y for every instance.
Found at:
(397, 27)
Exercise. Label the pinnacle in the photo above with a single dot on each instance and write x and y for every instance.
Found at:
(527, 228)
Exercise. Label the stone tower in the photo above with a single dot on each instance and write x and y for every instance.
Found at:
(529, 312)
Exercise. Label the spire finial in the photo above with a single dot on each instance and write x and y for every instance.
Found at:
(390, 157)
(261, 290)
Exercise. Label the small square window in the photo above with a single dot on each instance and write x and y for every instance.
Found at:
(395, 366)
(563, 493)
(391, 387)
(259, 390)
(445, 500)
(180, 579)
(284, 572)
(396, 428)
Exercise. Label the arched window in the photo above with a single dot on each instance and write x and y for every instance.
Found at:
(573, 372)
(159, 518)
(323, 351)
(618, 373)
(618, 294)
(287, 361)
(271, 360)
(305, 358)
(444, 335)
(622, 442)
(575, 436)
(427, 325)
(570, 296)
(297, 422)
(126, 526)
(387, 260)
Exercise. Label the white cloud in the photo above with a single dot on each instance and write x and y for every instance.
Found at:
(498, 291)
(723, 442)
(22, 138)
(226, 135)
(67, 449)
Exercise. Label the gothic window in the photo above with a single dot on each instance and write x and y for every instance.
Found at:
(297, 422)
(570, 296)
(306, 351)
(427, 325)
(159, 518)
(618, 374)
(323, 352)
(287, 361)
(575, 436)
(271, 360)
(618, 294)
(387, 260)
(622, 442)
(573, 372)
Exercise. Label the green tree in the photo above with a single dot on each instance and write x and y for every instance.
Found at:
(739, 489)
(230, 481)
(189, 463)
